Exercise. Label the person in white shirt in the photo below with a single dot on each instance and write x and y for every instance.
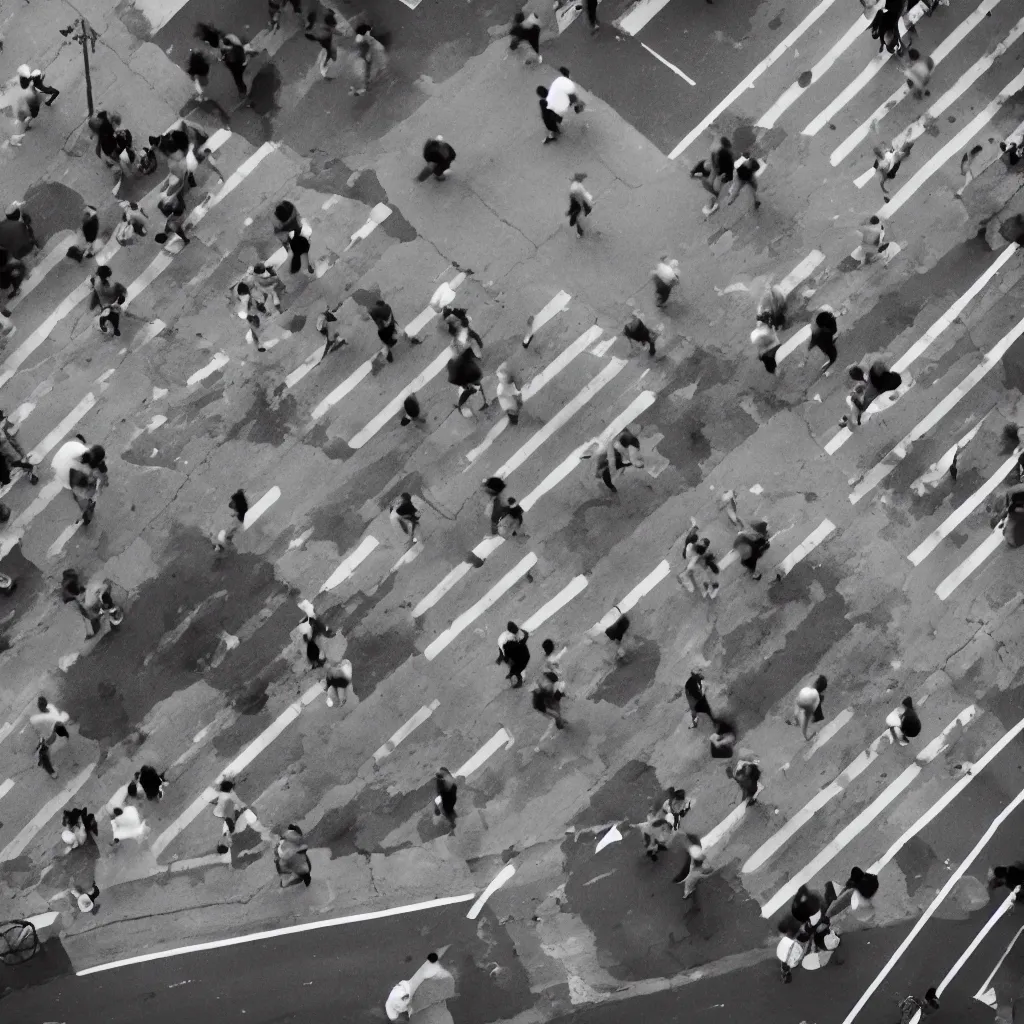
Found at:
(581, 202)
(562, 94)
(510, 398)
(666, 277)
(82, 469)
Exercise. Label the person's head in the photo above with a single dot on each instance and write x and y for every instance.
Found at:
(548, 647)
(511, 626)
(914, 55)
(820, 683)
(259, 268)
(519, 18)
(580, 176)
(432, 958)
(283, 210)
(725, 143)
(94, 456)
(226, 786)
(824, 318)
(133, 788)
(542, 92)
(242, 288)
(14, 211)
(330, 18)
(494, 485)
(24, 74)
(564, 72)
(42, 703)
(239, 504)
(406, 496)
(931, 996)
(104, 273)
(908, 702)
(293, 832)
(856, 373)
(702, 545)
(856, 874)
(363, 29)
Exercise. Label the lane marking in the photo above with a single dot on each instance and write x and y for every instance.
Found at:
(951, 882)
(502, 739)
(350, 563)
(987, 993)
(551, 309)
(843, 150)
(406, 730)
(827, 731)
(559, 363)
(977, 558)
(261, 506)
(428, 315)
(770, 118)
(933, 475)
(657, 56)
(37, 274)
(378, 215)
(5, 787)
(301, 370)
(801, 271)
(344, 388)
(727, 824)
(868, 815)
(499, 880)
(805, 547)
(55, 436)
(954, 146)
(882, 469)
(461, 622)
(218, 361)
(751, 78)
(57, 547)
(641, 590)
(572, 589)
(639, 15)
(17, 845)
(244, 169)
(17, 528)
(276, 933)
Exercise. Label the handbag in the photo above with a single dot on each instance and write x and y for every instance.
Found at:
(124, 233)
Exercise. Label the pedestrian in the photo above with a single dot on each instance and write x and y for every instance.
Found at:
(509, 633)
(823, 337)
(25, 104)
(616, 632)
(551, 659)
(151, 781)
(507, 391)
(82, 469)
(620, 452)
(227, 806)
(563, 93)
(90, 233)
(465, 373)
(80, 828)
(526, 29)
(1011, 149)
(1010, 876)
(656, 832)
(637, 331)
(369, 57)
(411, 411)
(912, 1009)
(12, 272)
(238, 506)
(665, 276)
(696, 698)
(447, 795)
(694, 867)
(132, 224)
(311, 629)
(265, 283)
(172, 205)
(904, 723)
(12, 453)
(809, 705)
(772, 308)
(387, 328)
(186, 147)
(325, 35)
(859, 890)
(404, 513)
(291, 858)
(515, 653)
(675, 806)
(49, 721)
(234, 55)
(94, 600)
(338, 682)
(885, 27)
(197, 67)
(552, 121)
(919, 74)
(872, 240)
(592, 16)
(747, 775)
(767, 342)
(547, 698)
(332, 335)
(581, 202)
(127, 823)
(276, 6)
(872, 378)
(105, 290)
(792, 948)
(747, 172)
(510, 522)
(714, 172)
(18, 232)
(699, 564)
(888, 160)
(36, 77)
(439, 156)
(723, 739)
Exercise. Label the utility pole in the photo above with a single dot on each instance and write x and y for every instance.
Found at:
(82, 32)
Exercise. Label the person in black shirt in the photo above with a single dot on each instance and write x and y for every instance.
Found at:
(823, 336)
(746, 169)
(439, 156)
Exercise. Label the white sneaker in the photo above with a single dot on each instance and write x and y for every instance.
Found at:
(330, 702)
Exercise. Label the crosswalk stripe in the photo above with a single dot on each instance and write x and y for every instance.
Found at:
(261, 506)
(572, 589)
(346, 387)
(21, 522)
(970, 565)
(501, 739)
(220, 360)
(813, 540)
(638, 15)
(350, 563)
(642, 589)
(405, 730)
(16, 847)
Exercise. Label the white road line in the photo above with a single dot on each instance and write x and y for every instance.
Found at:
(771, 116)
(847, 146)
(823, 797)
(868, 815)
(933, 475)
(234, 179)
(57, 547)
(551, 309)
(873, 67)
(37, 274)
(805, 547)
(408, 556)
(726, 825)
(958, 873)
(958, 515)
(405, 731)
(502, 739)
(378, 215)
(218, 361)
(498, 881)
(17, 845)
(951, 148)
(827, 731)
(657, 56)
(5, 787)
(970, 565)
(801, 271)
(751, 78)
(639, 15)
(642, 589)
(300, 371)
(572, 589)
(344, 388)
(276, 933)
(416, 325)
(986, 993)
(791, 344)
(261, 506)
(917, 128)
(461, 622)
(350, 563)
(559, 363)
(55, 436)
(564, 415)
(243, 760)
(881, 470)
(21, 522)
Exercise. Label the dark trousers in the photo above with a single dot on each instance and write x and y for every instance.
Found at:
(43, 758)
(768, 358)
(829, 350)
(529, 35)
(238, 74)
(662, 291)
(592, 13)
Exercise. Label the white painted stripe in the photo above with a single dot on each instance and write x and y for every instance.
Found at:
(416, 325)
(868, 815)
(105, 375)
(155, 423)
(218, 361)
(502, 587)
(37, 274)
(559, 363)
(233, 181)
(601, 349)
(953, 880)
(276, 933)
(822, 798)
(300, 371)
(59, 432)
(409, 556)
(159, 264)
(881, 470)
(572, 589)
(726, 825)
(21, 522)
(771, 116)
(378, 215)
(406, 730)
(986, 994)
(827, 731)
(970, 565)
(551, 309)
(639, 15)
(343, 389)
(672, 67)
(243, 760)
(917, 128)
(499, 880)
(801, 271)
(805, 547)
(5, 730)
(350, 563)
(955, 518)
(791, 344)
(502, 739)
(642, 589)
(751, 78)
(5, 787)
(938, 469)
(261, 506)
(16, 847)
(846, 147)
(951, 148)
(158, 12)
(564, 415)
(57, 547)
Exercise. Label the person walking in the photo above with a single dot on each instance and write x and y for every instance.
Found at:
(310, 630)
(82, 469)
(665, 276)
(294, 233)
(234, 55)
(581, 202)
(809, 705)
(767, 343)
(126, 823)
(369, 56)
(699, 564)
(275, 7)
(238, 506)
(387, 328)
(823, 337)
(49, 723)
(552, 121)
(439, 156)
(509, 633)
(723, 739)
(12, 453)
(338, 682)
(639, 333)
(591, 6)
(904, 723)
(747, 775)
(621, 451)
(447, 795)
(563, 93)
(526, 29)
(172, 205)
(1009, 876)
(36, 77)
(696, 698)
(516, 654)
(872, 378)
(919, 74)
(94, 600)
(510, 398)
(151, 781)
(747, 171)
(714, 172)
(913, 1009)
(694, 866)
(872, 240)
(656, 832)
(411, 412)
(25, 104)
(465, 373)
(547, 698)
(405, 514)
(227, 806)
(291, 858)
(888, 160)
(325, 35)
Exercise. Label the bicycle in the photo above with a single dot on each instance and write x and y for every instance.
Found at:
(19, 942)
